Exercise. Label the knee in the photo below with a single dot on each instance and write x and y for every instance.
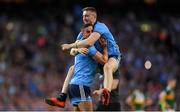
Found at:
(107, 67)
(72, 67)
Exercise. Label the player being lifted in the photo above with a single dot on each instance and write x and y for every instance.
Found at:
(83, 73)
(100, 29)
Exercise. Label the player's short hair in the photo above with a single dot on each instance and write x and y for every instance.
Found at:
(86, 25)
(170, 78)
(92, 9)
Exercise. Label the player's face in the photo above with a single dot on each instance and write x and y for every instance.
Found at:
(87, 31)
(89, 17)
(173, 83)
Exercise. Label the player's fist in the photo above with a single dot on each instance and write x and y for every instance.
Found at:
(83, 51)
(97, 92)
(65, 46)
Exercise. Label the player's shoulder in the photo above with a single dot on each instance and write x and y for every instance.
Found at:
(99, 24)
(80, 36)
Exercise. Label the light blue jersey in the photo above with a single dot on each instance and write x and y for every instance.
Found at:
(84, 68)
(80, 36)
(113, 49)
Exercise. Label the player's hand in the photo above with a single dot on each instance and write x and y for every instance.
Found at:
(103, 42)
(83, 51)
(97, 92)
(105, 96)
(65, 46)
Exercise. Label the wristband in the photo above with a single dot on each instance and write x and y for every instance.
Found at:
(76, 45)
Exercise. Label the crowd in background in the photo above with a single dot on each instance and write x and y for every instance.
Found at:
(32, 65)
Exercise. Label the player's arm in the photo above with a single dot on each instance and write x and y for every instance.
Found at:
(75, 51)
(89, 41)
(148, 101)
(129, 100)
(97, 33)
(83, 43)
(102, 58)
(162, 96)
(162, 100)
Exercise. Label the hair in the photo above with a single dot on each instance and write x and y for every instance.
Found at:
(170, 78)
(92, 9)
(86, 25)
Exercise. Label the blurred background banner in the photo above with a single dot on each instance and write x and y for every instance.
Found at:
(32, 65)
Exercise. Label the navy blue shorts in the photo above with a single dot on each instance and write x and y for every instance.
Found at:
(117, 57)
(79, 93)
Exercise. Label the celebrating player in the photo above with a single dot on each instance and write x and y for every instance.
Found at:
(83, 74)
(100, 29)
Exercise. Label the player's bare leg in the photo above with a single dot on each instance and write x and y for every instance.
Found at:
(67, 80)
(85, 106)
(76, 108)
(60, 100)
(109, 68)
